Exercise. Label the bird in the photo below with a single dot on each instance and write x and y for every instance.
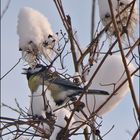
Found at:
(36, 38)
(41, 78)
(121, 19)
(61, 89)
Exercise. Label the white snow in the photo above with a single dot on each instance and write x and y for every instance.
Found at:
(104, 10)
(110, 72)
(37, 102)
(45, 127)
(37, 108)
(60, 121)
(33, 29)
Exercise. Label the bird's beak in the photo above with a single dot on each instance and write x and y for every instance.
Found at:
(20, 49)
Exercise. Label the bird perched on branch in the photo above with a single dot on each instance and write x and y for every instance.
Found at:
(43, 81)
(36, 38)
(122, 10)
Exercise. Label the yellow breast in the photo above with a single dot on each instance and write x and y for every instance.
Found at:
(34, 82)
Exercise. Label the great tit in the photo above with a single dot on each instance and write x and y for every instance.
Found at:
(61, 88)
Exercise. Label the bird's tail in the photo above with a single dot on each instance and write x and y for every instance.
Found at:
(90, 91)
(97, 92)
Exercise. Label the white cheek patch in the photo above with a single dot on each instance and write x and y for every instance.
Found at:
(35, 70)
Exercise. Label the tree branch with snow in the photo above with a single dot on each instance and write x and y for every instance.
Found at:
(62, 100)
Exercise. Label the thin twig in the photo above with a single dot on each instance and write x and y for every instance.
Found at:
(5, 9)
(136, 134)
(11, 69)
(93, 18)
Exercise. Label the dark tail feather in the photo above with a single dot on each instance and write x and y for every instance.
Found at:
(90, 91)
(97, 92)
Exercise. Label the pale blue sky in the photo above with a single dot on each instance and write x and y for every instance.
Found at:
(15, 84)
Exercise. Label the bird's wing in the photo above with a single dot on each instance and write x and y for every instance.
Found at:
(70, 85)
(65, 83)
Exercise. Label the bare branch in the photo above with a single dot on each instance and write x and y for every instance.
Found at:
(5, 9)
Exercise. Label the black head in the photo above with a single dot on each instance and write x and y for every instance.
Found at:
(32, 71)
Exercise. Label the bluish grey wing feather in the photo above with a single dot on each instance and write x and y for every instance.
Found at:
(69, 85)
(65, 83)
